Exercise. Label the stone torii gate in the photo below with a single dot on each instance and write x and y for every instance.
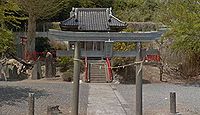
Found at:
(108, 38)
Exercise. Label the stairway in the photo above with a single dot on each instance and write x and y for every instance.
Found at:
(97, 72)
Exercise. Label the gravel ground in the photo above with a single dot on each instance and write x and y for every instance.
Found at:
(14, 95)
(156, 98)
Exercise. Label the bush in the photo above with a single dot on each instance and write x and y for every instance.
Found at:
(65, 63)
(68, 75)
(42, 44)
(58, 45)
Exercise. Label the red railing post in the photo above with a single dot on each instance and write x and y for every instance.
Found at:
(109, 69)
(86, 70)
(34, 55)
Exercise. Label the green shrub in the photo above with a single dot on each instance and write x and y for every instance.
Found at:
(68, 75)
(65, 63)
(55, 25)
(42, 44)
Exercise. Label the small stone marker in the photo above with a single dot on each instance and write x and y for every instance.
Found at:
(14, 72)
(1, 71)
(5, 72)
(173, 102)
(53, 68)
(10, 72)
(37, 72)
(49, 66)
(31, 104)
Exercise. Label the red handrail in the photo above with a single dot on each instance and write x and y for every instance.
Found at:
(109, 69)
(86, 69)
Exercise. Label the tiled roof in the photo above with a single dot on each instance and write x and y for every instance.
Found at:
(92, 19)
(70, 21)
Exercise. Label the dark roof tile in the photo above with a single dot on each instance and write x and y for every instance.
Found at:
(92, 19)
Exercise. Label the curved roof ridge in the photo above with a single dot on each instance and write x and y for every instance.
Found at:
(117, 18)
(91, 9)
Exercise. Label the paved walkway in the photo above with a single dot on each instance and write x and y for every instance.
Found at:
(105, 100)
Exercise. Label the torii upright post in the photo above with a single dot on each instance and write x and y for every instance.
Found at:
(139, 81)
(76, 77)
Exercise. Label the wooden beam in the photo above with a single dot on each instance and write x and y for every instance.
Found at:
(105, 36)
(61, 53)
(124, 53)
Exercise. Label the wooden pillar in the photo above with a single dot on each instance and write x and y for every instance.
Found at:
(102, 48)
(93, 45)
(139, 81)
(36, 71)
(75, 96)
(173, 103)
(161, 72)
(31, 104)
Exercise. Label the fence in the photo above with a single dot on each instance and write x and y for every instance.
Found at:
(155, 58)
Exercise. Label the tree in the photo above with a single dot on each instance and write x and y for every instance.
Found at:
(136, 10)
(65, 12)
(38, 9)
(42, 44)
(183, 19)
(8, 9)
(95, 3)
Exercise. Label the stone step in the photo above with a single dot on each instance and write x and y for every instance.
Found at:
(100, 75)
(97, 73)
(98, 67)
(97, 76)
(98, 80)
(97, 70)
(95, 65)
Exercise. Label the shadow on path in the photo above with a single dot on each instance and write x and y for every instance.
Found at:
(11, 95)
(133, 82)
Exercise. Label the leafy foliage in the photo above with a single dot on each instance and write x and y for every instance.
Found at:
(7, 15)
(136, 10)
(41, 9)
(95, 3)
(117, 61)
(6, 40)
(183, 18)
(37, 9)
(42, 44)
(123, 46)
(66, 63)
(58, 45)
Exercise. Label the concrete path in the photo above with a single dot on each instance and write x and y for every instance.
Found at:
(104, 100)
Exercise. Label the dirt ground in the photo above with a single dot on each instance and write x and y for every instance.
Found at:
(152, 75)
